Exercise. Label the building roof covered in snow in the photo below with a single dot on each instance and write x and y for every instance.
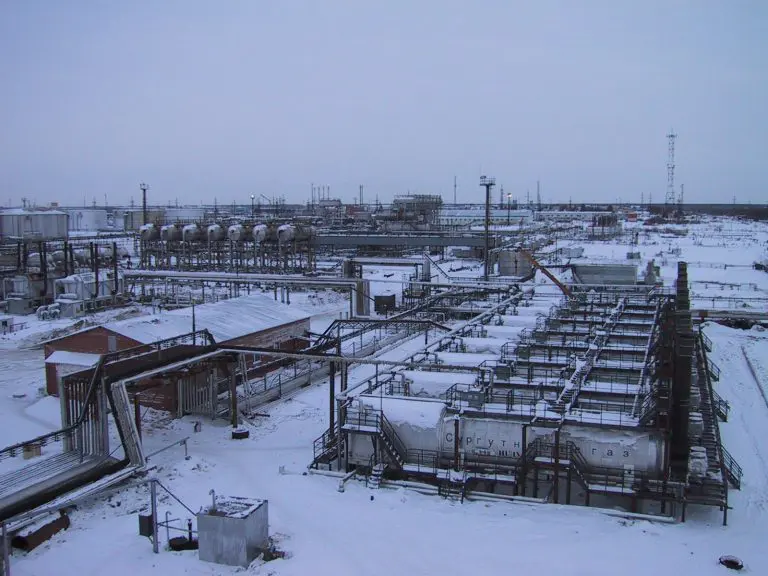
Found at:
(225, 320)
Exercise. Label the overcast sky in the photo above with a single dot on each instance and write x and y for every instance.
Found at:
(224, 99)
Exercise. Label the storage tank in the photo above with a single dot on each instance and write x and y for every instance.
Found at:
(170, 233)
(215, 233)
(286, 233)
(190, 233)
(58, 257)
(513, 263)
(34, 224)
(238, 233)
(259, 233)
(33, 260)
(88, 219)
(82, 256)
(186, 214)
(149, 232)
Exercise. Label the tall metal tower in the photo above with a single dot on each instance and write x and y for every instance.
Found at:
(487, 183)
(670, 198)
(145, 216)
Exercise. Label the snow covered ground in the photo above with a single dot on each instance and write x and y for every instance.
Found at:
(398, 531)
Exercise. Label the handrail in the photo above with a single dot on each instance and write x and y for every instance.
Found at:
(387, 429)
(10, 451)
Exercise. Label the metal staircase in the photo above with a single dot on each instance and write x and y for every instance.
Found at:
(373, 422)
(325, 449)
(377, 473)
(453, 486)
(732, 469)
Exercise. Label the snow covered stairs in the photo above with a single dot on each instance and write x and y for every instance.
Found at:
(377, 473)
(453, 486)
(363, 420)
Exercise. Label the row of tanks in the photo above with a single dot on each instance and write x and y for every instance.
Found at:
(82, 257)
(282, 234)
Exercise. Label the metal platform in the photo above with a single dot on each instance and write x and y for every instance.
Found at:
(39, 482)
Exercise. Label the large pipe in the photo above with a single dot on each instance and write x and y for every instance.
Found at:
(114, 266)
(44, 271)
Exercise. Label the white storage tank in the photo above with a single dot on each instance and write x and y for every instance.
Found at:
(286, 233)
(88, 220)
(215, 233)
(185, 214)
(238, 233)
(513, 263)
(149, 232)
(259, 233)
(190, 233)
(170, 233)
(34, 224)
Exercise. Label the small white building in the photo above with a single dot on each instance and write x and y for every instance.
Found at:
(80, 293)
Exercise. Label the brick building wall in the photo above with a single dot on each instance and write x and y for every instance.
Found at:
(96, 340)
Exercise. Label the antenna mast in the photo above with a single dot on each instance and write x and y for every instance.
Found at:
(669, 199)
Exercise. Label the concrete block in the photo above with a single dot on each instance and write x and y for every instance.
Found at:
(235, 532)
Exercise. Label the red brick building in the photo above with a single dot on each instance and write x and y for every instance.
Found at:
(254, 320)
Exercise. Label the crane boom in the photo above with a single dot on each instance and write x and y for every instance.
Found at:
(528, 256)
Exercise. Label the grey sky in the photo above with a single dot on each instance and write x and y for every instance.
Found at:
(205, 99)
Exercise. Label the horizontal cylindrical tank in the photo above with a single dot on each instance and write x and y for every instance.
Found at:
(422, 424)
(215, 233)
(259, 233)
(238, 233)
(513, 263)
(58, 256)
(170, 233)
(33, 260)
(81, 256)
(190, 233)
(149, 232)
(294, 232)
(286, 233)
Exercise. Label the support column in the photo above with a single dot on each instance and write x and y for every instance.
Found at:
(233, 395)
(137, 413)
(556, 459)
(331, 397)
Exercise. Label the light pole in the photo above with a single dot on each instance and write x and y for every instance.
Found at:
(509, 207)
(252, 199)
(487, 183)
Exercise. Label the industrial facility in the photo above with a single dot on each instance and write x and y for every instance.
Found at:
(534, 369)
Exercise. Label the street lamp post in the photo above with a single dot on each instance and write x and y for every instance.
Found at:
(509, 207)
(252, 199)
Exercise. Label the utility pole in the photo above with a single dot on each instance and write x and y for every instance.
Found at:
(669, 199)
(143, 187)
(454, 190)
(487, 183)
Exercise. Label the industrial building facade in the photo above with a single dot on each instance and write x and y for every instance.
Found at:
(253, 321)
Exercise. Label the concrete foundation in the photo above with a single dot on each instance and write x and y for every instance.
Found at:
(234, 532)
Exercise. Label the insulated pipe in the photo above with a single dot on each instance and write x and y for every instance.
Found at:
(114, 266)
